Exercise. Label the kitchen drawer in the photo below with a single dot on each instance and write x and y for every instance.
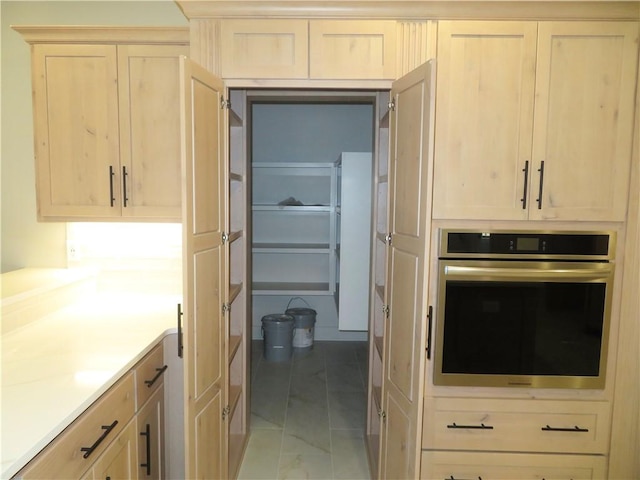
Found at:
(149, 375)
(508, 466)
(516, 425)
(63, 458)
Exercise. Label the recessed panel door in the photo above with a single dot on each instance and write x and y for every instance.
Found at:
(410, 173)
(204, 271)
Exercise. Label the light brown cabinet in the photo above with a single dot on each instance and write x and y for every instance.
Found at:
(534, 120)
(308, 49)
(106, 125)
(502, 466)
(105, 440)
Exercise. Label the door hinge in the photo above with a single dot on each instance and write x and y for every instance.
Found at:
(225, 104)
(383, 416)
(226, 307)
(225, 412)
(385, 310)
(392, 105)
(225, 237)
(388, 238)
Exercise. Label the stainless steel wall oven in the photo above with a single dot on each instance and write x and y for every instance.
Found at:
(523, 309)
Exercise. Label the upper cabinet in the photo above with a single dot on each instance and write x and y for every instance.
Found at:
(534, 120)
(264, 48)
(106, 124)
(308, 49)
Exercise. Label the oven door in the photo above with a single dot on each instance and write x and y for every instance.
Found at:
(522, 323)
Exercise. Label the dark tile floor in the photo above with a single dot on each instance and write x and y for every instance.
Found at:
(308, 414)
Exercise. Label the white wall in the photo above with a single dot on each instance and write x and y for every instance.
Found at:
(24, 241)
(310, 133)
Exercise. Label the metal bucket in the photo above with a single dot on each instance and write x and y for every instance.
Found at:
(277, 331)
(303, 329)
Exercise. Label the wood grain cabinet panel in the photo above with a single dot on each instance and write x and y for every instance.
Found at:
(107, 131)
(508, 466)
(264, 49)
(148, 85)
(516, 425)
(75, 102)
(64, 458)
(534, 120)
(352, 49)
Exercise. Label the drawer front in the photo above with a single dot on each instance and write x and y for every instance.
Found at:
(509, 466)
(149, 375)
(516, 425)
(63, 458)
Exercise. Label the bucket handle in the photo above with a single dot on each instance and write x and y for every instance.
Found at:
(297, 298)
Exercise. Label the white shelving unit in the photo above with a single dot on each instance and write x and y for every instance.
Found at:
(294, 228)
(354, 240)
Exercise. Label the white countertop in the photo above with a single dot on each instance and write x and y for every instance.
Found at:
(58, 365)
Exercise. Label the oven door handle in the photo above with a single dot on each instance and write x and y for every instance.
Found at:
(460, 272)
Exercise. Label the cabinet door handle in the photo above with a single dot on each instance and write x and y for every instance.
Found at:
(429, 322)
(125, 199)
(539, 199)
(147, 434)
(160, 371)
(482, 426)
(180, 347)
(564, 429)
(526, 184)
(107, 430)
(457, 478)
(112, 199)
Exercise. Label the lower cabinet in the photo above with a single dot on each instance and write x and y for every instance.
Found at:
(508, 466)
(150, 421)
(120, 436)
(500, 438)
(120, 459)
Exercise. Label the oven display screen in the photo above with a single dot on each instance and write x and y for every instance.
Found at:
(527, 244)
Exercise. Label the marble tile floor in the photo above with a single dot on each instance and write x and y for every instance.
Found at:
(308, 414)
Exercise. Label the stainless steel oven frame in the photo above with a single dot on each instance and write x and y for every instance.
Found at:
(526, 268)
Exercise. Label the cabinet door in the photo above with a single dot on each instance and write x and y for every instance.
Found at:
(204, 270)
(120, 459)
(75, 106)
(151, 438)
(264, 48)
(437, 465)
(148, 82)
(352, 49)
(584, 119)
(485, 118)
(405, 330)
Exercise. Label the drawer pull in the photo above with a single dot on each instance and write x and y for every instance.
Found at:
(482, 426)
(454, 478)
(107, 430)
(562, 429)
(147, 433)
(149, 383)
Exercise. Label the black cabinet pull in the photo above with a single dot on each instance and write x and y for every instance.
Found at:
(456, 478)
(180, 346)
(159, 371)
(482, 426)
(526, 182)
(107, 430)
(112, 199)
(564, 429)
(125, 199)
(539, 199)
(147, 434)
(429, 322)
